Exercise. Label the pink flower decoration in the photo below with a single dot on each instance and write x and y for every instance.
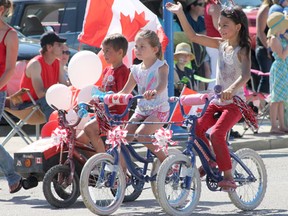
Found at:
(59, 137)
(116, 137)
(162, 138)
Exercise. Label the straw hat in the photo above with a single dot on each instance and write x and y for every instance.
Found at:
(276, 22)
(184, 48)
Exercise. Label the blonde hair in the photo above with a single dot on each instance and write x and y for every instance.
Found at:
(7, 7)
(153, 40)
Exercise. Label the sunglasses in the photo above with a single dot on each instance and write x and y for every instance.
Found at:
(66, 52)
(202, 4)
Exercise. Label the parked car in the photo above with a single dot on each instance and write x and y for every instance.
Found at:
(33, 17)
(28, 48)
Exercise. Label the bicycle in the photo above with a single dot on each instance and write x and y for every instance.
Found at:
(61, 182)
(181, 192)
(102, 181)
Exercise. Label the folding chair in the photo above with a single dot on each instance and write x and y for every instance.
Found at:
(259, 101)
(31, 115)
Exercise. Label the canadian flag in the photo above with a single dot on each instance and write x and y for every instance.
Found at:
(176, 115)
(104, 17)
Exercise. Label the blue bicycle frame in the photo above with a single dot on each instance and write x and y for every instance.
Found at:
(205, 154)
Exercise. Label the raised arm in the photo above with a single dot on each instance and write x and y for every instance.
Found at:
(189, 31)
(215, 11)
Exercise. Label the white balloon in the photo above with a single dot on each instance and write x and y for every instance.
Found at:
(59, 95)
(71, 116)
(85, 94)
(84, 69)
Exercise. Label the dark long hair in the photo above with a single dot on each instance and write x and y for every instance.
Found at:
(237, 15)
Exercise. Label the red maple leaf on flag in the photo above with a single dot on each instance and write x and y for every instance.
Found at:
(199, 110)
(130, 28)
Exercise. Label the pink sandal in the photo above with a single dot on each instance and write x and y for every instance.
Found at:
(227, 185)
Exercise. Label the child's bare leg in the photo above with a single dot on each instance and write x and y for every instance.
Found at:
(274, 107)
(131, 128)
(228, 175)
(281, 117)
(83, 138)
(92, 131)
(148, 129)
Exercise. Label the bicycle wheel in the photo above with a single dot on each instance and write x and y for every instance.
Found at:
(95, 190)
(249, 194)
(155, 167)
(58, 189)
(173, 197)
(134, 187)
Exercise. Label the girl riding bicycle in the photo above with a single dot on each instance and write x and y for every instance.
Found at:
(232, 74)
(151, 77)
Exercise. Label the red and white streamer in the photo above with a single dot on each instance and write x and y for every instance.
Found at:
(162, 138)
(116, 137)
(59, 136)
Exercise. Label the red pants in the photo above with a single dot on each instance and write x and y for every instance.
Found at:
(229, 117)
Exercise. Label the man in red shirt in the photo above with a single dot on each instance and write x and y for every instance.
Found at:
(43, 71)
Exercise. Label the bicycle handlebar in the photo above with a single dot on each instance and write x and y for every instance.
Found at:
(193, 99)
(128, 99)
(119, 99)
(62, 118)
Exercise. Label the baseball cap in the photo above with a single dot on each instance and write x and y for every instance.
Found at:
(50, 38)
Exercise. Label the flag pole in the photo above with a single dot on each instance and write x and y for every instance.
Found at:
(168, 55)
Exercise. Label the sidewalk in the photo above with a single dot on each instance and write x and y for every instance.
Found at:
(263, 140)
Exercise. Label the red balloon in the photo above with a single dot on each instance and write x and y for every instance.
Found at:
(48, 128)
(53, 116)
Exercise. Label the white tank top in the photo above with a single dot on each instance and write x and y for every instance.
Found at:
(228, 70)
(148, 80)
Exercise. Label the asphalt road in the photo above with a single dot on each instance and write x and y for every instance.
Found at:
(32, 202)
